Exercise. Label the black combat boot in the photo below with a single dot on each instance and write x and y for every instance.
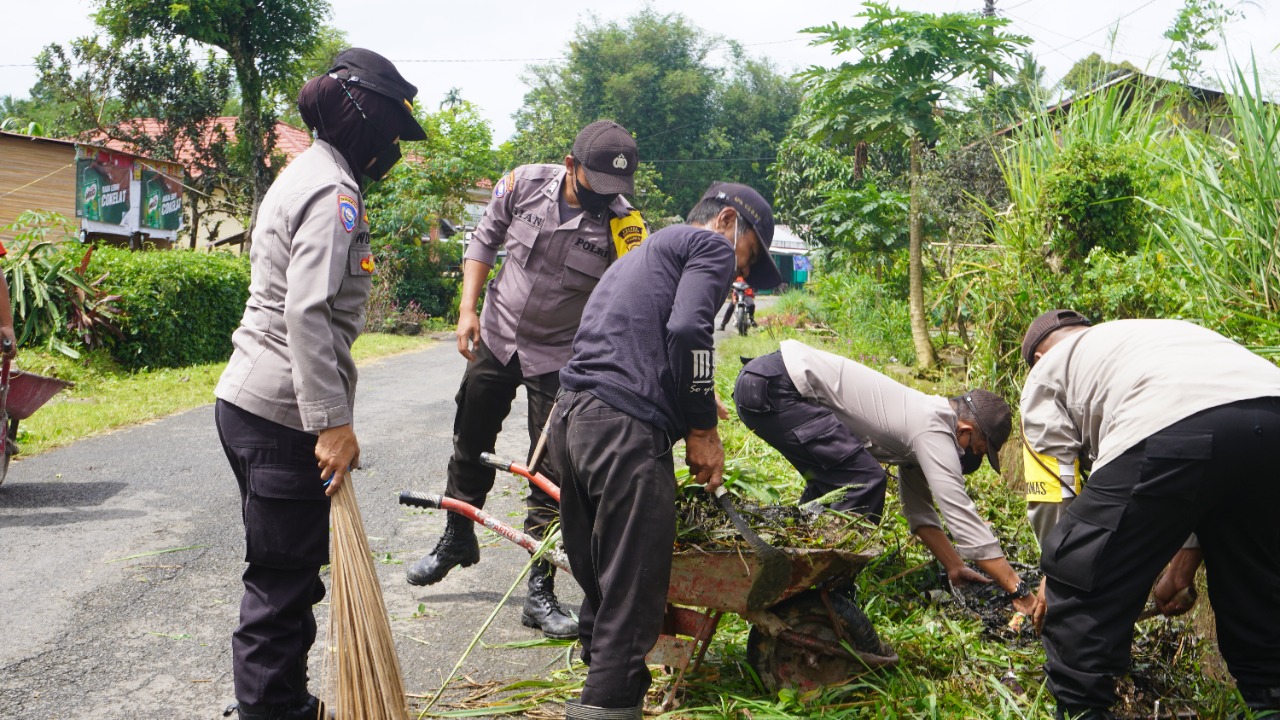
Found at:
(541, 609)
(458, 546)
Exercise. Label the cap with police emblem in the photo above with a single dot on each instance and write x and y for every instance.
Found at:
(752, 207)
(608, 156)
(369, 70)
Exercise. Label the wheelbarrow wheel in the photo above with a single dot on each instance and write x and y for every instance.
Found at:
(781, 664)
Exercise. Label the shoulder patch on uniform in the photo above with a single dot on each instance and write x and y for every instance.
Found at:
(367, 264)
(505, 185)
(347, 212)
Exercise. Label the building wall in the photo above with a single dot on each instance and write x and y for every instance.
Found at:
(35, 175)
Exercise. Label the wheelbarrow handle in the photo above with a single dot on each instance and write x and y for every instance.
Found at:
(420, 499)
(537, 478)
(476, 515)
(6, 346)
(495, 462)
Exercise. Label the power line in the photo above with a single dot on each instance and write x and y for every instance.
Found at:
(1113, 22)
(712, 160)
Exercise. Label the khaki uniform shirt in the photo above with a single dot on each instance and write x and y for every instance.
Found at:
(534, 305)
(311, 272)
(901, 426)
(1103, 390)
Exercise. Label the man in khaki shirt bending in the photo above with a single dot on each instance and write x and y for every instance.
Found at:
(1180, 426)
(836, 420)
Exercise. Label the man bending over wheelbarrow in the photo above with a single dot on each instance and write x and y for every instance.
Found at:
(641, 377)
(836, 420)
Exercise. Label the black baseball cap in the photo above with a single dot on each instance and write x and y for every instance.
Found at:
(608, 155)
(369, 70)
(1044, 326)
(751, 206)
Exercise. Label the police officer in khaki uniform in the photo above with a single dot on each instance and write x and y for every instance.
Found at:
(284, 409)
(562, 226)
(836, 420)
(1179, 426)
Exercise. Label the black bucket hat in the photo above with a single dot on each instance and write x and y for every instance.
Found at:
(369, 70)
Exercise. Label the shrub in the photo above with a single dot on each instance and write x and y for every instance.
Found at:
(53, 300)
(177, 307)
(1092, 198)
(869, 317)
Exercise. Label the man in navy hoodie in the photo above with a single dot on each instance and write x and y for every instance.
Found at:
(642, 377)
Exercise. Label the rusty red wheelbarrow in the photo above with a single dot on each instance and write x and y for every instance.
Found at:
(804, 633)
(21, 394)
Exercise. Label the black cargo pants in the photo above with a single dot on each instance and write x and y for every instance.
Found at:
(286, 533)
(1214, 474)
(810, 437)
(617, 518)
(484, 401)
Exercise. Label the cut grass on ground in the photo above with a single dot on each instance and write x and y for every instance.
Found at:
(106, 397)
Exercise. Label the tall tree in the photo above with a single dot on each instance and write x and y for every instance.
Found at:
(910, 63)
(692, 121)
(756, 105)
(264, 40)
(103, 90)
(431, 184)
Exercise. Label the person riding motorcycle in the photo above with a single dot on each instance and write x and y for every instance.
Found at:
(740, 290)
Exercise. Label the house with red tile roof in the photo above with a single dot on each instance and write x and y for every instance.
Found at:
(212, 220)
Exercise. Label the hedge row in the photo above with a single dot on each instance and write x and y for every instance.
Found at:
(177, 307)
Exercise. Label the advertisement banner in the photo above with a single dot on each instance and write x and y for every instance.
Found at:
(102, 185)
(161, 196)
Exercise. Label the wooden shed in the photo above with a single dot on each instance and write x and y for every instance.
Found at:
(36, 173)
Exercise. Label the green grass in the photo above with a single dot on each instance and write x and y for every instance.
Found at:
(950, 666)
(106, 397)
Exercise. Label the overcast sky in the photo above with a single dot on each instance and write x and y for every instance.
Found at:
(483, 47)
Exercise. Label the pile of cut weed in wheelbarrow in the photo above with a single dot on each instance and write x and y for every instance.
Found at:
(701, 524)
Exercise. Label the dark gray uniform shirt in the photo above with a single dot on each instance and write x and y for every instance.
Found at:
(534, 304)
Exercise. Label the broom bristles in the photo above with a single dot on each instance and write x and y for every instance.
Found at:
(363, 668)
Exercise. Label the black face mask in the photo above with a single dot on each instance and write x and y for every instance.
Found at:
(970, 461)
(590, 200)
(383, 162)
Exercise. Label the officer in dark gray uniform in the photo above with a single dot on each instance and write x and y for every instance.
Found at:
(562, 226)
(285, 398)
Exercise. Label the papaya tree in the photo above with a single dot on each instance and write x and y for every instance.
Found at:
(909, 65)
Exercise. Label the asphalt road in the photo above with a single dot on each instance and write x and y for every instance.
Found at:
(91, 625)
(89, 630)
